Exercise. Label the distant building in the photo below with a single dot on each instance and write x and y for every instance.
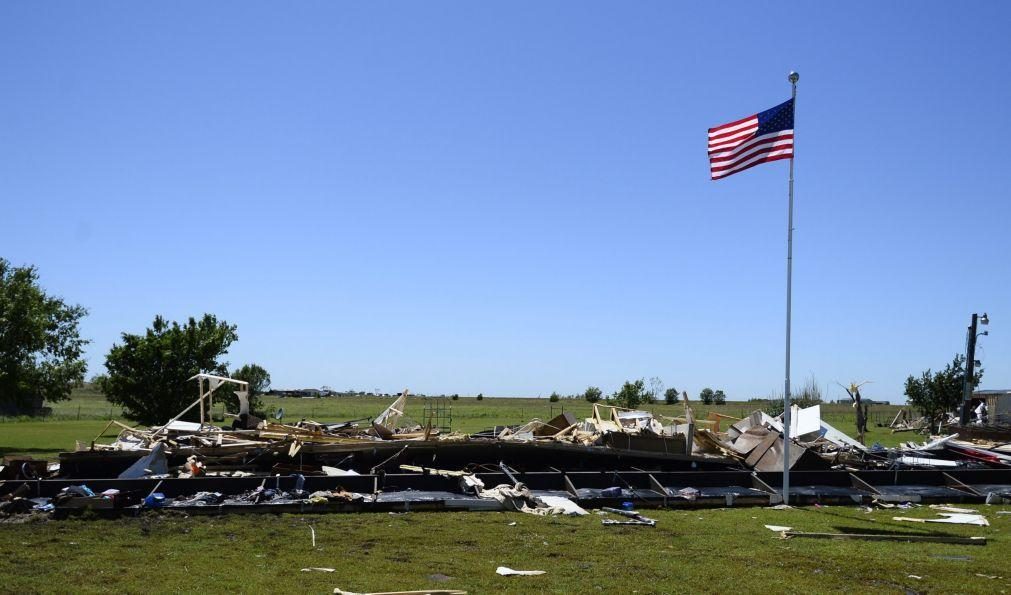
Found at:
(301, 393)
(865, 401)
(998, 405)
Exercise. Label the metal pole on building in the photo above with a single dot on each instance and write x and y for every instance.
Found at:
(793, 78)
(970, 366)
(970, 355)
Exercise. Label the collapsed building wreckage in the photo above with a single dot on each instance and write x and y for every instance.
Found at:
(614, 457)
(612, 438)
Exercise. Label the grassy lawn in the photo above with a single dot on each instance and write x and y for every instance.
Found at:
(722, 550)
(718, 550)
(44, 439)
(84, 416)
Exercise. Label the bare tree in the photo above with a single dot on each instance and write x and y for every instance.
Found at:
(655, 389)
(861, 409)
(810, 394)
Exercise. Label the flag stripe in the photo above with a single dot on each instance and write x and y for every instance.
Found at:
(730, 124)
(770, 145)
(726, 148)
(750, 164)
(769, 148)
(722, 157)
(730, 138)
(715, 134)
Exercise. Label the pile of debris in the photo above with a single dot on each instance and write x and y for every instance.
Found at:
(905, 422)
(757, 442)
(250, 445)
(949, 451)
(614, 457)
(608, 426)
(610, 438)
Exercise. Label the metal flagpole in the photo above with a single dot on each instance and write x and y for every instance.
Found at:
(793, 78)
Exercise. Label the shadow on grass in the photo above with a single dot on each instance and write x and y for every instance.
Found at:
(905, 532)
(876, 526)
(17, 450)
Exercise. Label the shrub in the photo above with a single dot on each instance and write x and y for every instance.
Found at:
(775, 405)
(592, 394)
(480, 396)
(937, 393)
(554, 397)
(455, 397)
(809, 394)
(631, 394)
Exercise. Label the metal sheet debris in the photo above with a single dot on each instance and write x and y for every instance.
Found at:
(505, 571)
(634, 518)
(954, 518)
(155, 463)
(422, 592)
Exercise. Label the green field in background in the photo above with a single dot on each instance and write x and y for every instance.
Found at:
(85, 415)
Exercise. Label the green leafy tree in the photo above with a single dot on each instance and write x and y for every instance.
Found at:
(554, 397)
(706, 396)
(938, 393)
(259, 382)
(631, 394)
(592, 394)
(480, 396)
(455, 397)
(670, 396)
(720, 397)
(147, 374)
(41, 350)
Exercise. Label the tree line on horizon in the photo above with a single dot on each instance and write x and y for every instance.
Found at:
(42, 358)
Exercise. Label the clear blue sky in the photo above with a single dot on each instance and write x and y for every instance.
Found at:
(514, 198)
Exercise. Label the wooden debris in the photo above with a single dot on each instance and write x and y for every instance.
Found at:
(890, 537)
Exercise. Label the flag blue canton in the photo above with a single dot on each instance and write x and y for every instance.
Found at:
(776, 119)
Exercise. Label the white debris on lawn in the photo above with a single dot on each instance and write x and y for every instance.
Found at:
(504, 571)
(955, 518)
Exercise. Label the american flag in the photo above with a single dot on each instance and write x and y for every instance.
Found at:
(766, 136)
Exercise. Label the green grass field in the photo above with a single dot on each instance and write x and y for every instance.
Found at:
(705, 551)
(708, 551)
(84, 417)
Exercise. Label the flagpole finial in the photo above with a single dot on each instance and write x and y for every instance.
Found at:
(794, 77)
